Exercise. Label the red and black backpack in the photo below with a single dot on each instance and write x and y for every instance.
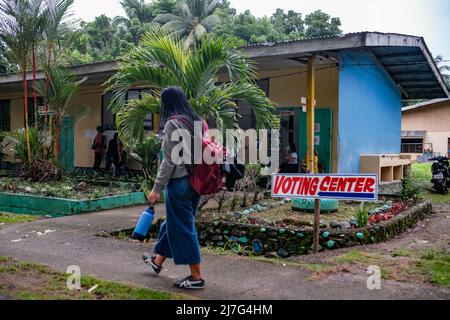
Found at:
(205, 178)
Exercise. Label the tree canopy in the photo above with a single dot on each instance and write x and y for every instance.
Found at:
(106, 38)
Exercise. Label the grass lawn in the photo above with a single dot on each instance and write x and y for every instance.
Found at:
(16, 218)
(29, 281)
(422, 173)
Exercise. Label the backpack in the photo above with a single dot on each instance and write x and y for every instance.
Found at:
(205, 178)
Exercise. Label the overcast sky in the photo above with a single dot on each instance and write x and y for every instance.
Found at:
(427, 18)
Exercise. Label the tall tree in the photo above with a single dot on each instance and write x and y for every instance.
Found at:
(443, 68)
(196, 19)
(137, 9)
(6, 63)
(19, 27)
(290, 23)
(58, 25)
(60, 89)
(320, 24)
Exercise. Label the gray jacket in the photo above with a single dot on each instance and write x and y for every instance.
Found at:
(168, 169)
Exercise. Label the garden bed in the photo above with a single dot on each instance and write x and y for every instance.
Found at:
(279, 213)
(273, 239)
(68, 188)
(66, 197)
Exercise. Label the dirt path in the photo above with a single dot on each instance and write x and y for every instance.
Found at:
(74, 242)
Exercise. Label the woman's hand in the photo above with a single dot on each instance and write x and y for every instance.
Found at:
(153, 197)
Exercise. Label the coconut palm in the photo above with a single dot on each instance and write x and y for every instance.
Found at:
(196, 20)
(60, 91)
(137, 9)
(443, 68)
(20, 25)
(160, 61)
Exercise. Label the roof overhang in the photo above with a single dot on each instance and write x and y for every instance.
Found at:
(425, 104)
(406, 58)
(414, 134)
(95, 73)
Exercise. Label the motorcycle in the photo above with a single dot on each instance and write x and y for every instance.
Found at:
(441, 174)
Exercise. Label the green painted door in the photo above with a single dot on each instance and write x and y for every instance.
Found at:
(66, 147)
(322, 141)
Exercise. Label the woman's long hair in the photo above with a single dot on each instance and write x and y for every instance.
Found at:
(174, 102)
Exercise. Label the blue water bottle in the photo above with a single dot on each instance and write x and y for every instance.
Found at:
(144, 224)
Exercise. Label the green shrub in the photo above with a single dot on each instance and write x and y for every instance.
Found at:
(410, 188)
(362, 216)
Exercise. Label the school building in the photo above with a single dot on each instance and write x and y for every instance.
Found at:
(360, 82)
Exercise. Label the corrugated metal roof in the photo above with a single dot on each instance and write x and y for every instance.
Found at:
(424, 104)
(269, 44)
(413, 134)
(411, 70)
(406, 58)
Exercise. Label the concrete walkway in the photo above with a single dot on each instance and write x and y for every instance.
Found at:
(74, 242)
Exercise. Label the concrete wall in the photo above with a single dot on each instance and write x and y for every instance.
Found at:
(84, 132)
(286, 87)
(369, 110)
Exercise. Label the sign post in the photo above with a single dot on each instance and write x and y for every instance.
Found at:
(316, 226)
(324, 186)
(310, 106)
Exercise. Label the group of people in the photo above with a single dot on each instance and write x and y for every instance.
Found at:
(115, 153)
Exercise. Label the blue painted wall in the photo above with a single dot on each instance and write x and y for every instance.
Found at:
(369, 110)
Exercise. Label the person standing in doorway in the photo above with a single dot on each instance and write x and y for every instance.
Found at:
(177, 236)
(99, 147)
(291, 162)
(114, 155)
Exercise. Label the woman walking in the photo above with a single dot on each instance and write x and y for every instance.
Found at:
(177, 237)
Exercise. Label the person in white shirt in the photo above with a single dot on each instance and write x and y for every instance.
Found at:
(291, 160)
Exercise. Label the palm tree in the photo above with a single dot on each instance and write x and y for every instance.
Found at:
(60, 90)
(197, 19)
(20, 24)
(160, 61)
(58, 25)
(443, 69)
(137, 9)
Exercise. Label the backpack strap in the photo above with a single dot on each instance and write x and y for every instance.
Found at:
(185, 120)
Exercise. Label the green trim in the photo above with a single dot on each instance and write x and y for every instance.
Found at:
(58, 207)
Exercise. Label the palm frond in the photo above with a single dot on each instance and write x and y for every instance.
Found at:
(164, 18)
(185, 8)
(255, 98)
(130, 121)
(210, 21)
(212, 6)
(130, 74)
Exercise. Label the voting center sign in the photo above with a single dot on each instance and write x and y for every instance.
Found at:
(325, 186)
